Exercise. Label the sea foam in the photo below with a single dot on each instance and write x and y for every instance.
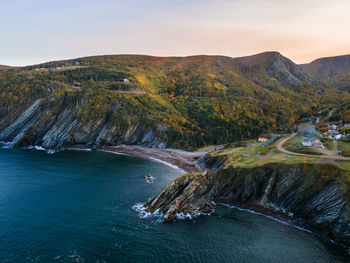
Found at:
(141, 210)
(284, 222)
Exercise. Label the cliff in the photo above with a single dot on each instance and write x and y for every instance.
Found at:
(315, 195)
(60, 125)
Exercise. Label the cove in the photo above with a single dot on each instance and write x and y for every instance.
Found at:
(76, 206)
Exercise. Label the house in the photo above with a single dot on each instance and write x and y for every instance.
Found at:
(316, 143)
(126, 81)
(334, 127)
(263, 139)
(338, 137)
(306, 143)
(313, 142)
(333, 132)
(346, 125)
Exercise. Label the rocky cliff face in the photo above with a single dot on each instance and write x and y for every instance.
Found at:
(60, 126)
(317, 195)
(275, 65)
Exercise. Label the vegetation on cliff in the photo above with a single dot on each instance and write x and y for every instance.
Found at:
(308, 190)
(199, 100)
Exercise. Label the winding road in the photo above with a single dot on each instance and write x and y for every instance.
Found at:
(326, 154)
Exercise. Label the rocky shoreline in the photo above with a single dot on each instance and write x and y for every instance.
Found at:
(315, 196)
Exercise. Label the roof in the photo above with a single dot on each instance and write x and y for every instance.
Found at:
(313, 140)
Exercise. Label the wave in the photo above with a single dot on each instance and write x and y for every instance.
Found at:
(79, 149)
(118, 153)
(39, 148)
(166, 163)
(182, 216)
(150, 158)
(141, 210)
(284, 222)
(5, 145)
(9, 145)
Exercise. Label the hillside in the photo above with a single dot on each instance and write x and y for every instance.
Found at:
(274, 65)
(331, 70)
(4, 67)
(182, 102)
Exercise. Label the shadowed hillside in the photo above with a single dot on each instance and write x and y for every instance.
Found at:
(332, 70)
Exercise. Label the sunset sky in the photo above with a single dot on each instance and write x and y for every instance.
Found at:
(38, 31)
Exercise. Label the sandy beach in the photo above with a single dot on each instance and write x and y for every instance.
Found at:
(181, 159)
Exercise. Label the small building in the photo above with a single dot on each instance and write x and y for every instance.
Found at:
(334, 127)
(312, 142)
(316, 143)
(338, 137)
(306, 143)
(126, 81)
(333, 132)
(263, 139)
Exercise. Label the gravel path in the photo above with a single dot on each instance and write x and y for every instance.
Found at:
(326, 154)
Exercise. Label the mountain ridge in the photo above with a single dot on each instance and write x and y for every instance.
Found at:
(139, 99)
(275, 64)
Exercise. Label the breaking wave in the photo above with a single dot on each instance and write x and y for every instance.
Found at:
(141, 210)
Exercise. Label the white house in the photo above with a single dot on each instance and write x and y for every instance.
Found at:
(338, 137)
(314, 142)
(334, 127)
(306, 143)
(126, 81)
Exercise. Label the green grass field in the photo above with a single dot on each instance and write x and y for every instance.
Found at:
(236, 157)
(329, 144)
(295, 145)
(344, 147)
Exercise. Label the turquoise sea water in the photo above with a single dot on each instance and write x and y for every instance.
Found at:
(77, 207)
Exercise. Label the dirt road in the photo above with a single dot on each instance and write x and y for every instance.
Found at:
(326, 154)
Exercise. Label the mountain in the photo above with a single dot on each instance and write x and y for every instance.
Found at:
(275, 65)
(182, 102)
(4, 67)
(331, 70)
(330, 67)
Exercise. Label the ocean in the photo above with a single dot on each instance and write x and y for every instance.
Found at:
(76, 206)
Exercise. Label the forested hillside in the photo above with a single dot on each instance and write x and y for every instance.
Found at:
(185, 102)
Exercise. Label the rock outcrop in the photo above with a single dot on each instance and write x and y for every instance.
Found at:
(56, 127)
(315, 195)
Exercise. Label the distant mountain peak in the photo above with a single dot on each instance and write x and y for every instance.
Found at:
(276, 65)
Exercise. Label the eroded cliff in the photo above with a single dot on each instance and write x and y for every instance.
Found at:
(314, 194)
(57, 125)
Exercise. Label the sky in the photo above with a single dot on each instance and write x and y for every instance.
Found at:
(35, 31)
